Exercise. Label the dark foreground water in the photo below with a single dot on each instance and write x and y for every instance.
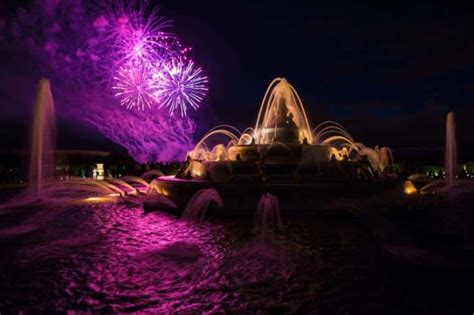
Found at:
(115, 258)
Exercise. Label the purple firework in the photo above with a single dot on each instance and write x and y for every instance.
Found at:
(133, 85)
(150, 67)
(116, 57)
(181, 85)
(131, 34)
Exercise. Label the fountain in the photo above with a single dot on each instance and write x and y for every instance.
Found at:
(197, 206)
(42, 140)
(267, 216)
(450, 185)
(451, 150)
(284, 118)
(281, 155)
(61, 193)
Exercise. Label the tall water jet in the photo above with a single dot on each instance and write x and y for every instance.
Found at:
(197, 206)
(267, 217)
(451, 150)
(282, 116)
(43, 140)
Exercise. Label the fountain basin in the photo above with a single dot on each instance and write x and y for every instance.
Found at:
(242, 196)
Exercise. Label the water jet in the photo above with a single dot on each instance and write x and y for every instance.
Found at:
(43, 140)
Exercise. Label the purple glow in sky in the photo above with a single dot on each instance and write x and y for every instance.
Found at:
(147, 138)
(142, 54)
(119, 67)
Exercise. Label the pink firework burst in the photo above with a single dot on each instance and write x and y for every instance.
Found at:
(181, 85)
(149, 66)
(131, 33)
(133, 85)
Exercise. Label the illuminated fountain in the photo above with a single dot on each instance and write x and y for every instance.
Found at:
(450, 184)
(197, 206)
(267, 217)
(451, 150)
(281, 155)
(282, 132)
(43, 186)
(42, 140)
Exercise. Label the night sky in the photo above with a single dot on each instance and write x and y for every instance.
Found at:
(389, 73)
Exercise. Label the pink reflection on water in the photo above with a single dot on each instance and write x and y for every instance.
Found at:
(119, 259)
(115, 258)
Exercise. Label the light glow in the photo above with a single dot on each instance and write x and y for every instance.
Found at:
(409, 188)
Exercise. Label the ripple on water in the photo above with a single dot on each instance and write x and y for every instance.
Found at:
(18, 230)
(115, 258)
